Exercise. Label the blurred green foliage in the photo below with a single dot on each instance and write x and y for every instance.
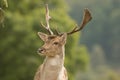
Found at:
(19, 41)
(3, 5)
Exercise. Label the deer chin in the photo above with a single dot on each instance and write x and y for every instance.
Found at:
(51, 55)
(42, 54)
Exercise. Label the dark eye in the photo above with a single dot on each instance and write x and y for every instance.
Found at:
(55, 43)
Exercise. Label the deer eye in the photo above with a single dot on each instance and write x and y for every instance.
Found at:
(55, 43)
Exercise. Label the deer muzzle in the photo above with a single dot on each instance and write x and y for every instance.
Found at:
(41, 50)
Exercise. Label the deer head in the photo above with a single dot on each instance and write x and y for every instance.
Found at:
(54, 43)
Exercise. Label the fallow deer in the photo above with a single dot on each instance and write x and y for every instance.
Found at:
(54, 50)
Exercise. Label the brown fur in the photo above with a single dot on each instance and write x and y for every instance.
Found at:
(53, 65)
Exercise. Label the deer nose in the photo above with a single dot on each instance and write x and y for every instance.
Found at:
(40, 50)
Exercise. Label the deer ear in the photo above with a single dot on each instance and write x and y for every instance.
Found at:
(43, 36)
(63, 38)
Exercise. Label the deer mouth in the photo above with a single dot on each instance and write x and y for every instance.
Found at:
(40, 52)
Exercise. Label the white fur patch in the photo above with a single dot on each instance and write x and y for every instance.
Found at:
(61, 74)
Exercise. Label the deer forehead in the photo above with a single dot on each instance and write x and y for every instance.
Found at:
(53, 39)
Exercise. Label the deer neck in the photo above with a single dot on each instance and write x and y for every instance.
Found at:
(53, 66)
(55, 60)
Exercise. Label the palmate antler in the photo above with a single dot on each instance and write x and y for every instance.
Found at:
(86, 18)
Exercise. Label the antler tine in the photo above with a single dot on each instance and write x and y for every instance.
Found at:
(86, 18)
(47, 27)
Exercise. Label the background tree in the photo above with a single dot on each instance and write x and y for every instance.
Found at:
(3, 6)
(19, 41)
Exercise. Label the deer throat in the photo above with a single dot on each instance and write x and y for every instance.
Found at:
(53, 63)
(53, 67)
